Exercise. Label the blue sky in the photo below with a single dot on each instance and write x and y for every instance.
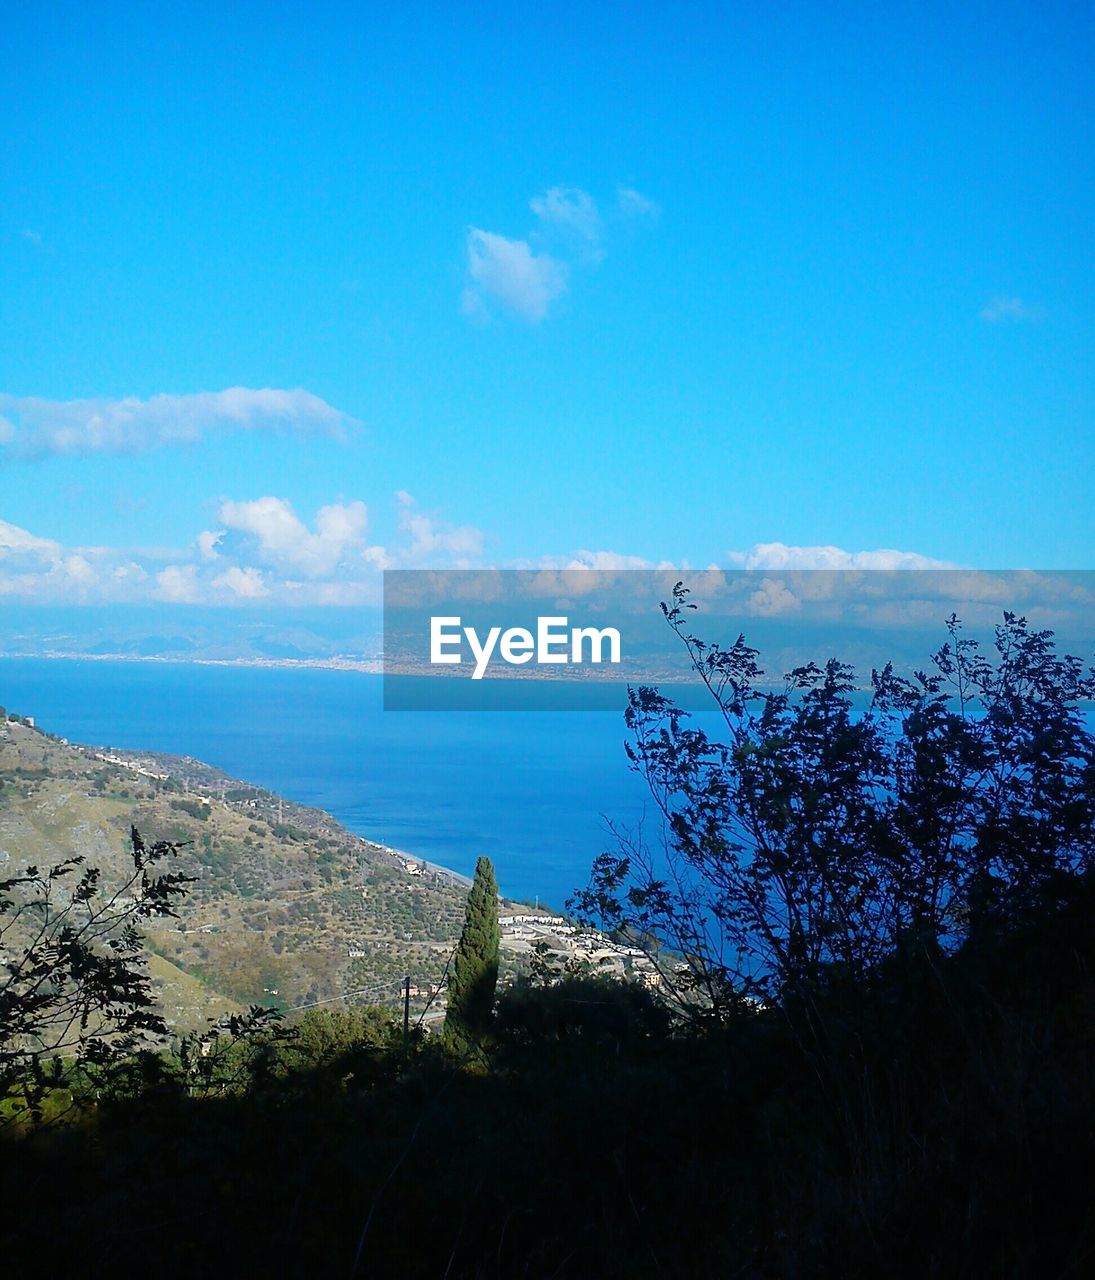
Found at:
(500, 285)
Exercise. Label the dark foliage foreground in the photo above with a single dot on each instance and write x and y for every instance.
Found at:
(944, 1128)
(879, 1061)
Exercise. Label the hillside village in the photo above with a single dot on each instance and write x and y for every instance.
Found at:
(288, 907)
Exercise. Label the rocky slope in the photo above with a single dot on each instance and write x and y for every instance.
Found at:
(288, 906)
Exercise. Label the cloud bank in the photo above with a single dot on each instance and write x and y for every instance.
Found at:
(777, 555)
(260, 551)
(31, 427)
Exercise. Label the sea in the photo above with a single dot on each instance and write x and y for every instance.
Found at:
(536, 791)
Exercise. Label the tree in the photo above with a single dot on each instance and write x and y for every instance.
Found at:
(475, 962)
(815, 843)
(73, 983)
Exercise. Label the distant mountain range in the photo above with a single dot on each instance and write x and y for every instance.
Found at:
(192, 634)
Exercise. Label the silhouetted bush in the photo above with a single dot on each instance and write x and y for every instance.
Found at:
(895, 1080)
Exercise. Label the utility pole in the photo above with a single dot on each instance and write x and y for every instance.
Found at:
(406, 1016)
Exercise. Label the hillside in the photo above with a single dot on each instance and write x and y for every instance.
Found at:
(288, 906)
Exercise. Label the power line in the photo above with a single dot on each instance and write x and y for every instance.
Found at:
(377, 992)
(373, 992)
(437, 992)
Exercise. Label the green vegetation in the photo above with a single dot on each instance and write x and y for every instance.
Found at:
(283, 897)
(818, 847)
(195, 808)
(869, 1051)
(475, 962)
(76, 986)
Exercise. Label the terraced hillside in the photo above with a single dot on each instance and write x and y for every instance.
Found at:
(288, 906)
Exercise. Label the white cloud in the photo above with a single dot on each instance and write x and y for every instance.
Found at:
(79, 571)
(777, 555)
(771, 599)
(177, 584)
(31, 427)
(633, 204)
(526, 276)
(246, 584)
(207, 543)
(606, 561)
(510, 272)
(1002, 308)
(434, 541)
(573, 213)
(128, 572)
(261, 550)
(283, 540)
(19, 542)
(29, 564)
(330, 563)
(601, 561)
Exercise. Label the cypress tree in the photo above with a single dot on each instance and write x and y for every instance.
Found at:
(475, 963)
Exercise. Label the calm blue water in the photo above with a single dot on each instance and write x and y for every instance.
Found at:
(531, 790)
